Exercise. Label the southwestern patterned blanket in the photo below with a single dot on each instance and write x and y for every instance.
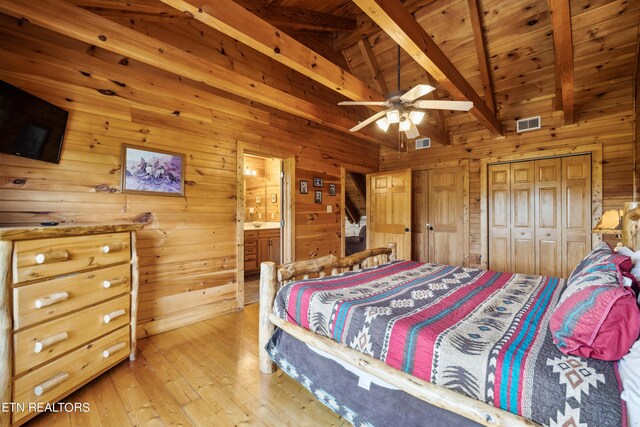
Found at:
(481, 333)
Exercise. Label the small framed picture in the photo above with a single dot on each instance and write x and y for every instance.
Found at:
(318, 197)
(332, 189)
(317, 182)
(258, 199)
(304, 186)
(274, 198)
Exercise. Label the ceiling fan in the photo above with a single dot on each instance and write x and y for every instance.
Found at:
(404, 108)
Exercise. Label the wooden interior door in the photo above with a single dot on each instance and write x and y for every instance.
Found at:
(420, 216)
(548, 217)
(499, 204)
(576, 219)
(389, 211)
(446, 213)
(522, 218)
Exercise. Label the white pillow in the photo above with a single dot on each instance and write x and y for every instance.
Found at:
(629, 370)
(635, 259)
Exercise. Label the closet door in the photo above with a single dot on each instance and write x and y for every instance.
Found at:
(548, 234)
(499, 177)
(389, 211)
(522, 218)
(420, 216)
(576, 221)
(446, 213)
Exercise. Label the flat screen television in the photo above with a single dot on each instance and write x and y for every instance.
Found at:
(30, 126)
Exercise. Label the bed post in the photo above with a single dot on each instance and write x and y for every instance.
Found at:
(630, 235)
(268, 284)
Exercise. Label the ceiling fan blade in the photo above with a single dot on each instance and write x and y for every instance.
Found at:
(369, 120)
(444, 105)
(381, 103)
(416, 92)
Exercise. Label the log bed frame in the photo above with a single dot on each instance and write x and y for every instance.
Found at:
(272, 278)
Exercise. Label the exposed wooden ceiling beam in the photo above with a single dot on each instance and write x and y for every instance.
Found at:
(563, 53)
(350, 209)
(232, 19)
(402, 27)
(72, 21)
(481, 51)
(299, 19)
(360, 181)
(372, 64)
(321, 43)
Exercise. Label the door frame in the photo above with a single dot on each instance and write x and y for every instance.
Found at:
(344, 168)
(594, 149)
(465, 165)
(288, 207)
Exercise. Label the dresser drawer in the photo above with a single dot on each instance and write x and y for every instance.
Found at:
(250, 250)
(38, 259)
(262, 234)
(46, 300)
(52, 381)
(250, 235)
(41, 343)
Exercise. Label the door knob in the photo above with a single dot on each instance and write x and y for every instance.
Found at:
(407, 229)
(429, 227)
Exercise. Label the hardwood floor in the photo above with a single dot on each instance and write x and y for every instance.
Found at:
(251, 288)
(204, 374)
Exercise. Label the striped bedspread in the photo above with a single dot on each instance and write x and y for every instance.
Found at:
(482, 333)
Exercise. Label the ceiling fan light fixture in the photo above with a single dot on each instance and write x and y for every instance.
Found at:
(393, 116)
(412, 132)
(416, 116)
(405, 123)
(383, 123)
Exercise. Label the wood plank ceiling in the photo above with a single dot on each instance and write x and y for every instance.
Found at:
(499, 54)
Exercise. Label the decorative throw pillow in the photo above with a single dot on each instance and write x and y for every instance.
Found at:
(596, 315)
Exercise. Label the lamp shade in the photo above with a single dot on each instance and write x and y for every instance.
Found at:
(383, 123)
(393, 116)
(416, 116)
(609, 223)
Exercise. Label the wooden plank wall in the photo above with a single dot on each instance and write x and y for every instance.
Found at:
(188, 265)
(522, 68)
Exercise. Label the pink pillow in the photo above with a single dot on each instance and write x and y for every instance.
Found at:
(597, 316)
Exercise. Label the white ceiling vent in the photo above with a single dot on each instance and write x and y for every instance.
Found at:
(423, 143)
(528, 124)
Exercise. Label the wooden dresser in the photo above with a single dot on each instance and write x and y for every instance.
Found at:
(69, 300)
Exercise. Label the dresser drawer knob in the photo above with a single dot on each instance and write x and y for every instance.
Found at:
(39, 390)
(49, 341)
(52, 299)
(108, 352)
(55, 256)
(109, 317)
(114, 247)
(114, 282)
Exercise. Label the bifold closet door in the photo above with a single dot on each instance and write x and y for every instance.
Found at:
(539, 215)
(576, 218)
(500, 217)
(523, 231)
(548, 212)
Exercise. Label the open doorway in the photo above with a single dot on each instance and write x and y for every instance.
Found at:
(263, 197)
(355, 210)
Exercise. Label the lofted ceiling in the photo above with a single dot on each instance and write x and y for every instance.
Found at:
(511, 57)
